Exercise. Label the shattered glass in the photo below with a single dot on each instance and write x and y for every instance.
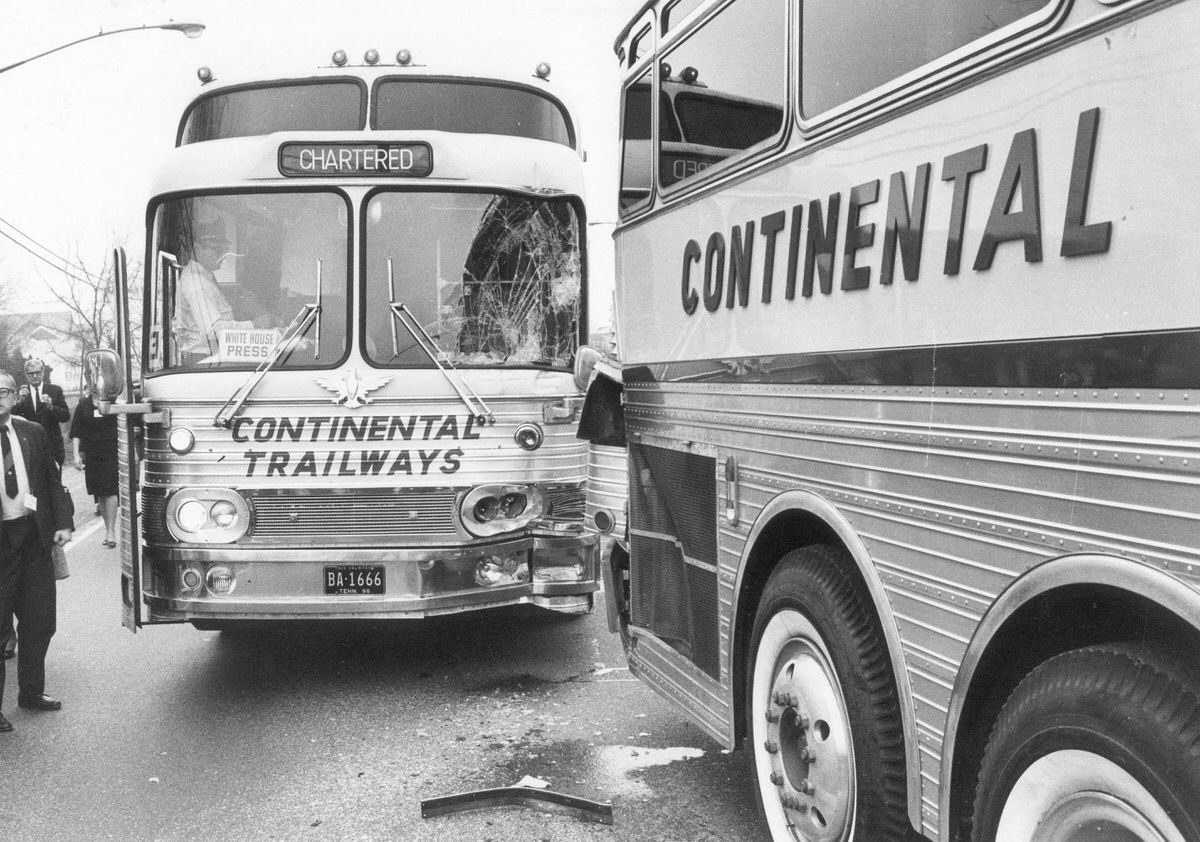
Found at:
(495, 280)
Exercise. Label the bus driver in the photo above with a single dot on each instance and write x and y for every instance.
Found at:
(201, 309)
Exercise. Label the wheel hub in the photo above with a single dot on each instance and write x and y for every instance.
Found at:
(808, 741)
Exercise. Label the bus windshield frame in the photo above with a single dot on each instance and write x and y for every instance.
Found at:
(502, 285)
(232, 270)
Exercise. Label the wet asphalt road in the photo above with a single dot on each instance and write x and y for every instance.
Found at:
(339, 733)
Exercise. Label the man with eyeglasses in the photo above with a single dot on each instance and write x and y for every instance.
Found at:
(35, 514)
(43, 402)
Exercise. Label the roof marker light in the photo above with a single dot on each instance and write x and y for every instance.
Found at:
(204, 75)
(543, 70)
(690, 75)
(664, 70)
(339, 58)
(371, 56)
(404, 58)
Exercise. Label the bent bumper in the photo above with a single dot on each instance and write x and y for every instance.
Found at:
(556, 572)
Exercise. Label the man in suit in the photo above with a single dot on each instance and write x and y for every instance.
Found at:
(43, 402)
(36, 515)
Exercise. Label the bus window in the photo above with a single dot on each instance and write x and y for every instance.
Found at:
(236, 271)
(677, 11)
(635, 144)
(469, 107)
(724, 103)
(305, 106)
(640, 45)
(836, 34)
(494, 280)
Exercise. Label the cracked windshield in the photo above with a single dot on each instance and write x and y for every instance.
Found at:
(240, 278)
(494, 280)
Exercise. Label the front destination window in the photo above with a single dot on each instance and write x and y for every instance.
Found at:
(240, 279)
(489, 279)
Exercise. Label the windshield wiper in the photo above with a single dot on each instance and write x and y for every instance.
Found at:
(400, 313)
(300, 323)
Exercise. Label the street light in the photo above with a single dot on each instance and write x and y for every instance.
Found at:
(191, 30)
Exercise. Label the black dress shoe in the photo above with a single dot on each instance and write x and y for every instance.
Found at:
(42, 702)
(5, 725)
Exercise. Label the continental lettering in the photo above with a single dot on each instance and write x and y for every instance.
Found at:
(367, 428)
(1014, 218)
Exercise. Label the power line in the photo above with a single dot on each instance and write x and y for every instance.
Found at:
(46, 260)
(88, 276)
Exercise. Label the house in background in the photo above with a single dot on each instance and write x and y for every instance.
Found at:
(50, 336)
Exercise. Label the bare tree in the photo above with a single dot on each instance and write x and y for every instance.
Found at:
(89, 293)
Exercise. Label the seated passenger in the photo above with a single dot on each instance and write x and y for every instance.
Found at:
(201, 308)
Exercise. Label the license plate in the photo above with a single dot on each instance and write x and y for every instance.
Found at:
(353, 580)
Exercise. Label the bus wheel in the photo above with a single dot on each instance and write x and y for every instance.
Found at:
(1098, 743)
(827, 740)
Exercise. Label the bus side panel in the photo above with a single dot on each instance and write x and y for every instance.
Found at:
(975, 419)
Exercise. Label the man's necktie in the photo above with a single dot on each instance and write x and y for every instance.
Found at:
(10, 467)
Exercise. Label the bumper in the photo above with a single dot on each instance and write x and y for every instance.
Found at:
(556, 572)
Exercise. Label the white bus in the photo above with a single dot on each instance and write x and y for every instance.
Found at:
(365, 290)
(911, 396)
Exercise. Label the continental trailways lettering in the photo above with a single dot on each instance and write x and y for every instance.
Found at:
(362, 462)
(904, 227)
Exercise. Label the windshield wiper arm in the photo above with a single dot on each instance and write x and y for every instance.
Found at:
(400, 313)
(299, 326)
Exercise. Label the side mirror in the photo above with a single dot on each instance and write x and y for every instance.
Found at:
(105, 377)
(586, 360)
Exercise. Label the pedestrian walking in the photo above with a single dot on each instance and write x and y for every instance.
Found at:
(95, 444)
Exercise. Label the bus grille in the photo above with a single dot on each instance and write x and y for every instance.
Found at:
(565, 502)
(427, 512)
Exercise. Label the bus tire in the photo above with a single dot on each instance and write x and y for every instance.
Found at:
(1100, 742)
(826, 735)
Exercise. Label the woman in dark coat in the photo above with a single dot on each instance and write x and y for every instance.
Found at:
(95, 439)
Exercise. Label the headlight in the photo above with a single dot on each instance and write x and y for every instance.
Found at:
(181, 440)
(192, 516)
(493, 509)
(207, 515)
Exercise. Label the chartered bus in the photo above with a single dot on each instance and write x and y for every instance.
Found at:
(365, 289)
(911, 401)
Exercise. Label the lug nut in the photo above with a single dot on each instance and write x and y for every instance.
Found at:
(771, 746)
(806, 787)
(777, 779)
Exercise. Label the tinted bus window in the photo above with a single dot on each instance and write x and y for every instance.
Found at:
(246, 112)
(727, 87)
(470, 108)
(635, 144)
(719, 121)
(837, 35)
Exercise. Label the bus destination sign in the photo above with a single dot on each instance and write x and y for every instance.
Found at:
(402, 160)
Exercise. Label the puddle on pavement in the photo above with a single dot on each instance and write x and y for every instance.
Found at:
(598, 772)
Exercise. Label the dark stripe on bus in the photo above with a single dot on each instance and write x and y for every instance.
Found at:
(1165, 360)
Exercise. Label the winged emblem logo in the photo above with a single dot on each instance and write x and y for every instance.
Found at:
(352, 391)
